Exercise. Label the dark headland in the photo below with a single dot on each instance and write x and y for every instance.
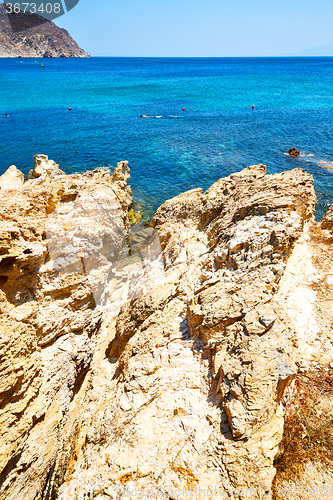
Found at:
(42, 40)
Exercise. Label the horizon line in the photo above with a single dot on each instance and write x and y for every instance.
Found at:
(213, 57)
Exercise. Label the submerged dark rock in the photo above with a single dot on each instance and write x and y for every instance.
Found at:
(293, 152)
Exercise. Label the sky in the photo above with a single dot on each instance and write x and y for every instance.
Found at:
(201, 28)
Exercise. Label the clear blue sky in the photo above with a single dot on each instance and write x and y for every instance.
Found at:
(200, 28)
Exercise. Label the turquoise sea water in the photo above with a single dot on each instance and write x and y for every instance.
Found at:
(217, 134)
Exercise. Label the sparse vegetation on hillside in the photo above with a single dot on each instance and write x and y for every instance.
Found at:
(308, 431)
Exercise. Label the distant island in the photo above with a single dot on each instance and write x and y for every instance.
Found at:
(44, 40)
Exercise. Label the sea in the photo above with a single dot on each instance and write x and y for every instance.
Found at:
(200, 122)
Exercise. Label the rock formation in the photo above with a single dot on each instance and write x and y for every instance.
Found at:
(152, 360)
(49, 320)
(327, 220)
(293, 152)
(44, 40)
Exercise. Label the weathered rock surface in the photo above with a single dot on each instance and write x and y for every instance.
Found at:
(44, 167)
(11, 179)
(327, 220)
(314, 478)
(178, 386)
(43, 40)
(49, 319)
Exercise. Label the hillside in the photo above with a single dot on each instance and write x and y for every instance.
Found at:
(44, 40)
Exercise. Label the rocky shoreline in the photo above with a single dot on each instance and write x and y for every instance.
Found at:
(155, 357)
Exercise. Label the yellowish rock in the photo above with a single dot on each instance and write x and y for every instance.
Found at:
(11, 179)
(160, 369)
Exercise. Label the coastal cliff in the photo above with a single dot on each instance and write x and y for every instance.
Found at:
(44, 39)
(155, 358)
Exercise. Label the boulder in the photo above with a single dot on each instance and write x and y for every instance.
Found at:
(293, 152)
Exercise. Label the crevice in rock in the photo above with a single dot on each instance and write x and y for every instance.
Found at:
(11, 465)
(3, 280)
(46, 493)
(79, 381)
(7, 263)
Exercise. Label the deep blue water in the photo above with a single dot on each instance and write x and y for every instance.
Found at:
(217, 134)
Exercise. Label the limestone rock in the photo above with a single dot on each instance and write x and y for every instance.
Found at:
(327, 220)
(11, 179)
(121, 177)
(44, 167)
(49, 319)
(177, 388)
(189, 393)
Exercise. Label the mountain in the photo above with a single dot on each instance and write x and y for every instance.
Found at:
(323, 50)
(41, 38)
